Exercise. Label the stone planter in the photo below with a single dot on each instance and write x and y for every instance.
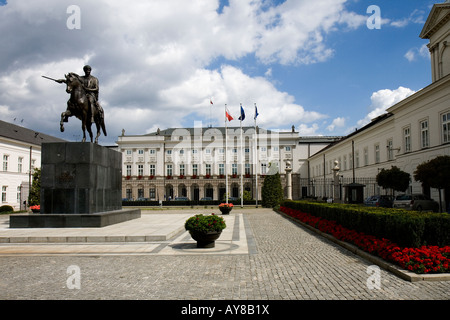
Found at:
(205, 239)
(225, 210)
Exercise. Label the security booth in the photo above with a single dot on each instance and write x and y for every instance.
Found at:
(354, 193)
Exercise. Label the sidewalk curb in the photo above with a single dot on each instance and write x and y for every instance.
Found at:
(401, 273)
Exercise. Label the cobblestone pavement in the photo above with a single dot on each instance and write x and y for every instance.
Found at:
(287, 262)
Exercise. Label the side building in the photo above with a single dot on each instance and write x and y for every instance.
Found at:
(20, 149)
(197, 163)
(411, 132)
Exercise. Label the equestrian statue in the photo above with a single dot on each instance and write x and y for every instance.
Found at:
(83, 102)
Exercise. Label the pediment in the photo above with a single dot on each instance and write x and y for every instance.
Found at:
(439, 15)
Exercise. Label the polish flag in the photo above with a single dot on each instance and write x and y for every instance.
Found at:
(227, 114)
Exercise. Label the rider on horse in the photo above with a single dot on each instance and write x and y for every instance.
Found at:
(91, 87)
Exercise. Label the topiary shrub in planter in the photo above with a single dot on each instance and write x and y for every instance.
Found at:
(6, 208)
(205, 229)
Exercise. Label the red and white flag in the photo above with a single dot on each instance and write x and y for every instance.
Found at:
(228, 115)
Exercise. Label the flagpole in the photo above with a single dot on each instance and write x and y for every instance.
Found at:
(256, 159)
(210, 112)
(226, 160)
(242, 164)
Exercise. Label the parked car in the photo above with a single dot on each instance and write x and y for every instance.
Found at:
(418, 202)
(206, 199)
(379, 201)
(181, 199)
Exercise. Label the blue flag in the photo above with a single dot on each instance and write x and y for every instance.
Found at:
(242, 117)
(256, 112)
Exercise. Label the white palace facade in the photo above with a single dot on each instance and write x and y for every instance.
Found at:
(20, 149)
(411, 132)
(197, 163)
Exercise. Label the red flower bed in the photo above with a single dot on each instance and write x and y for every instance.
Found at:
(426, 259)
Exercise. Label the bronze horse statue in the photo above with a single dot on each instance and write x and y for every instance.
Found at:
(78, 106)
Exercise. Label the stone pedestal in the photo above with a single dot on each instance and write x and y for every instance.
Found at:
(80, 178)
(79, 182)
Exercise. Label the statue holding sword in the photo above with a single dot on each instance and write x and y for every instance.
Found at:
(83, 102)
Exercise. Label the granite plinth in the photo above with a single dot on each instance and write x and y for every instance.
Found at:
(93, 220)
(80, 178)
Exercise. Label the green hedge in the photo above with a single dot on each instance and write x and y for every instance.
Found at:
(189, 203)
(6, 209)
(406, 228)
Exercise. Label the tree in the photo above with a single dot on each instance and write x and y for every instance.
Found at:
(272, 191)
(394, 179)
(35, 193)
(435, 174)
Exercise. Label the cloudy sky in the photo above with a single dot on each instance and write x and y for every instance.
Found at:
(324, 66)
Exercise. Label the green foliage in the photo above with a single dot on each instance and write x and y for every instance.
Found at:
(434, 173)
(404, 227)
(247, 195)
(202, 223)
(272, 191)
(394, 179)
(35, 193)
(6, 208)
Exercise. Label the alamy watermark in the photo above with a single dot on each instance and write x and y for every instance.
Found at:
(374, 280)
(374, 21)
(73, 22)
(74, 279)
(213, 145)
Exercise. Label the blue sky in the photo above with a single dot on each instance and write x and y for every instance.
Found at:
(312, 64)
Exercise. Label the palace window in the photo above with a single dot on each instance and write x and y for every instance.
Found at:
(182, 170)
(377, 153)
(169, 170)
(407, 139)
(446, 127)
(390, 151)
(366, 156)
(263, 168)
(195, 169)
(5, 162)
(424, 135)
(4, 188)
(152, 193)
(357, 159)
(19, 164)
(152, 170)
(234, 168)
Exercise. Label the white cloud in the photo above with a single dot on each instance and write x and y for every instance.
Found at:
(231, 86)
(413, 53)
(153, 58)
(337, 123)
(305, 130)
(382, 100)
(417, 17)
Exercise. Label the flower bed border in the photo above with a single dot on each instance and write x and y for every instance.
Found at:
(391, 267)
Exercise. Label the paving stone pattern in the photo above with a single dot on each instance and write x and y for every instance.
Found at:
(289, 263)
